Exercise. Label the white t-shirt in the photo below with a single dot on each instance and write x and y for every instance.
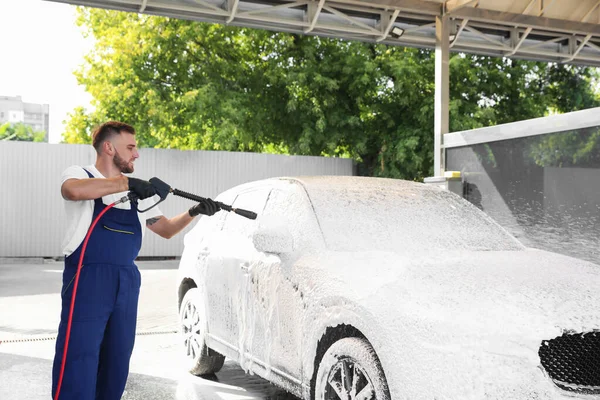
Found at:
(80, 213)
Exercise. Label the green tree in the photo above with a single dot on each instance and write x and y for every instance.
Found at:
(572, 91)
(509, 90)
(80, 125)
(20, 132)
(191, 85)
(569, 149)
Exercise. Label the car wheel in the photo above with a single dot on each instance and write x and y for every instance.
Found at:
(350, 370)
(201, 359)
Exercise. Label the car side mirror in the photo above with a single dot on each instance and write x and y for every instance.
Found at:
(273, 240)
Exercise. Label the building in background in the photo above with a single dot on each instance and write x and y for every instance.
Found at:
(15, 110)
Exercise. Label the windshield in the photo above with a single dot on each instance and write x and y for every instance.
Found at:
(369, 214)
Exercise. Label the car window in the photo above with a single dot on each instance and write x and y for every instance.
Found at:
(388, 215)
(253, 200)
(207, 224)
(289, 206)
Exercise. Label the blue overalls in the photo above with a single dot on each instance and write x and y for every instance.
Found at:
(104, 318)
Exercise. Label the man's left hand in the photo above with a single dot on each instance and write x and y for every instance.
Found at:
(206, 207)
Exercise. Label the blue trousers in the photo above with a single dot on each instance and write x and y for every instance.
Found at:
(102, 331)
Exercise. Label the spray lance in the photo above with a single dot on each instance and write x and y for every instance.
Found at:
(162, 190)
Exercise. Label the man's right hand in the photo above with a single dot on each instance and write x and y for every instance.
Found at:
(143, 189)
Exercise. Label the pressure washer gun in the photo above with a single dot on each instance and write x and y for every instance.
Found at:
(163, 190)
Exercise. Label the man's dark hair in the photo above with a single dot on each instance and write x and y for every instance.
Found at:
(108, 130)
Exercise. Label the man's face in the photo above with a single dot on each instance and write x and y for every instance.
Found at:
(125, 152)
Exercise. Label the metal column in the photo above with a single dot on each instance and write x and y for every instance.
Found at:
(442, 92)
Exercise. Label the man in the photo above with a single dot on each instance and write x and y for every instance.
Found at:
(104, 318)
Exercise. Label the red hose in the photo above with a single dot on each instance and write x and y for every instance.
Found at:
(64, 358)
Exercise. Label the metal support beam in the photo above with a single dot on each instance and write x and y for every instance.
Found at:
(587, 15)
(524, 21)
(518, 42)
(453, 5)
(367, 20)
(593, 46)
(484, 36)
(462, 26)
(540, 44)
(578, 49)
(313, 14)
(267, 10)
(420, 6)
(351, 20)
(442, 91)
(545, 7)
(208, 5)
(529, 6)
(419, 28)
(388, 25)
(232, 5)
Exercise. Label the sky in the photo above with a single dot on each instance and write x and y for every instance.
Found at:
(41, 46)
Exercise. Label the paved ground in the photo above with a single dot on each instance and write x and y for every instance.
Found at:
(30, 307)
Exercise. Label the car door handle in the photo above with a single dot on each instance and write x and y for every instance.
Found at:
(203, 252)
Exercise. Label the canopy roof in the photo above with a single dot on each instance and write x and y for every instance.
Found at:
(546, 30)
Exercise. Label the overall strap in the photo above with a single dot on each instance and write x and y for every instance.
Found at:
(97, 202)
(88, 172)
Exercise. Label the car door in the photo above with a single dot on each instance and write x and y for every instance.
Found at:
(227, 265)
(277, 294)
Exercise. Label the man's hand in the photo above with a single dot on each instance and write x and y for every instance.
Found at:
(143, 189)
(206, 207)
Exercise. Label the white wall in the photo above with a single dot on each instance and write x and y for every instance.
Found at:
(32, 216)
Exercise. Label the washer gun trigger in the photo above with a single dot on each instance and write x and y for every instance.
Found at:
(161, 189)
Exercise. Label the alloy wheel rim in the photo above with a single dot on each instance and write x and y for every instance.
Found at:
(190, 328)
(348, 380)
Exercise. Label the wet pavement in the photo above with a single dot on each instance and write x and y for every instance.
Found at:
(29, 311)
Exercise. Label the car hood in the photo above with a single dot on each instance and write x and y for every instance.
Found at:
(472, 321)
(533, 289)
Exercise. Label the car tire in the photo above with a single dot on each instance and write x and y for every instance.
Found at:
(200, 358)
(355, 359)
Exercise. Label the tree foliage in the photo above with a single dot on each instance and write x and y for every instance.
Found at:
(569, 149)
(192, 85)
(20, 132)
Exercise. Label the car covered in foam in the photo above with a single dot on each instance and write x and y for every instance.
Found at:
(371, 288)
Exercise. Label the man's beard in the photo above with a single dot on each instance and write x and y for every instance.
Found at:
(123, 165)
